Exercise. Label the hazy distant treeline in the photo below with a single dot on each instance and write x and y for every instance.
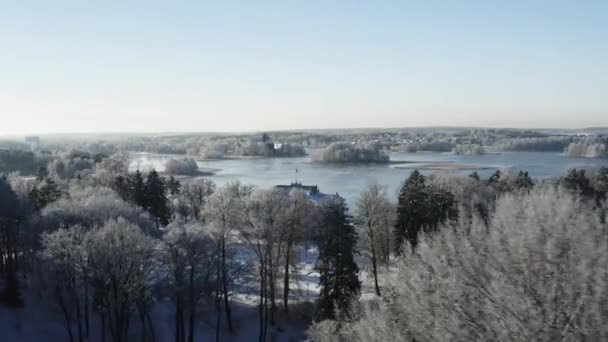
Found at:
(542, 144)
(433, 146)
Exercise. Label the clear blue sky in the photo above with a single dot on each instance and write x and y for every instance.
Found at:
(83, 66)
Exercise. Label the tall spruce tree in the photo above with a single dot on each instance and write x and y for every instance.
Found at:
(523, 181)
(421, 208)
(137, 189)
(156, 202)
(336, 239)
(577, 181)
(121, 186)
(44, 193)
(474, 176)
(411, 211)
(494, 178)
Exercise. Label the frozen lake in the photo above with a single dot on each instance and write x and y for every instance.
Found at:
(349, 180)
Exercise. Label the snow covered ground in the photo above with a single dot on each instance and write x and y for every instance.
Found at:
(39, 322)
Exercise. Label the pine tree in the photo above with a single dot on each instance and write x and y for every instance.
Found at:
(47, 193)
(121, 186)
(411, 211)
(494, 177)
(523, 181)
(137, 189)
(155, 195)
(421, 208)
(336, 239)
(577, 181)
(474, 176)
(442, 207)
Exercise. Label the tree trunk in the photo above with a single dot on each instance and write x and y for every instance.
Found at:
(177, 338)
(265, 330)
(375, 268)
(86, 309)
(218, 302)
(286, 278)
(192, 305)
(387, 249)
(152, 333)
(142, 319)
(271, 286)
(78, 313)
(262, 295)
(70, 334)
(68, 322)
(225, 288)
(179, 319)
(103, 327)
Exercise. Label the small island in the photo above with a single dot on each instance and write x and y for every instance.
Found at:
(184, 167)
(351, 153)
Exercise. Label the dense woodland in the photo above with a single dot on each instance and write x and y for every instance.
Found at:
(451, 258)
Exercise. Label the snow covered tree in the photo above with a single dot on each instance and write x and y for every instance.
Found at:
(61, 277)
(264, 233)
(224, 213)
(188, 255)
(193, 195)
(122, 260)
(373, 216)
(301, 215)
(336, 240)
(538, 272)
(92, 207)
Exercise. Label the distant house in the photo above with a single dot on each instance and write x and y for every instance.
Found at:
(311, 191)
(33, 142)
